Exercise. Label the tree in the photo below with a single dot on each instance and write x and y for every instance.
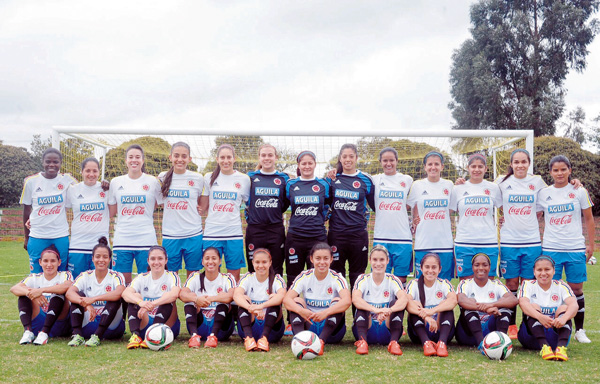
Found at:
(510, 74)
(74, 151)
(574, 126)
(594, 136)
(38, 146)
(15, 164)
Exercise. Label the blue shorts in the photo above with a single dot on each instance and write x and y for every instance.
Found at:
(574, 264)
(122, 260)
(257, 330)
(518, 261)
(189, 248)
(232, 251)
(35, 247)
(401, 261)
(433, 336)
(335, 337)
(205, 329)
(175, 328)
(528, 341)
(465, 254)
(115, 330)
(464, 336)
(447, 259)
(378, 333)
(60, 328)
(80, 262)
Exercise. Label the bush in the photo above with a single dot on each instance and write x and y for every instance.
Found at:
(15, 164)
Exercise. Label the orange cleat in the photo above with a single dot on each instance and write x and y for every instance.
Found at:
(211, 342)
(429, 348)
(194, 342)
(441, 350)
(322, 350)
(513, 332)
(362, 348)
(250, 344)
(394, 348)
(263, 344)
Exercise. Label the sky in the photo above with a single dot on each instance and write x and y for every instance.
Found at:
(286, 65)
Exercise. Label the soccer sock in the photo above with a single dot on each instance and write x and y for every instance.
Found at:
(270, 319)
(446, 323)
(220, 315)
(473, 322)
(332, 323)
(124, 306)
(537, 330)
(25, 309)
(396, 328)
(76, 313)
(418, 326)
(163, 312)
(191, 317)
(134, 321)
(579, 317)
(297, 322)
(361, 321)
(245, 320)
(504, 318)
(107, 316)
(513, 315)
(563, 334)
(54, 309)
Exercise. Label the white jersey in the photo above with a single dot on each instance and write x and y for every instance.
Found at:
(434, 232)
(223, 283)
(475, 205)
(491, 292)
(226, 196)
(434, 295)
(90, 216)
(391, 220)
(548, 300)
(47, 199)
(151, 289)
(180, 216)
(319, 294)
(519, 198)
(562, 214)
(37, 280)
(379, 296)
(87, 283)
(135, 200)
(257, 291)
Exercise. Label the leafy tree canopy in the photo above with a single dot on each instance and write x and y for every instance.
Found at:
(15, 164)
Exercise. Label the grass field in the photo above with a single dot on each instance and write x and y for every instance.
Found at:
(111, 362)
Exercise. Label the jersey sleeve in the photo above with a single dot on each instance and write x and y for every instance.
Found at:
(501, 289)
(136, 284)
(370, 192)
(340, 282)
(112, 197)
(462, 287)
(447, 287)
(523, 289)
(360, 282)
(454, 200)
(206, 189)
(565, 290)
(412, 289)
(299, 283)
(229, 282)
(81, 282)
(244, 281)
(69, 198)
(584, 198)
(29, 281)
(119, 279)
(497, 195)
(411, 199)
(396, 284)
(278, 283)
(175, 281)
(26, 195)
(191, 282)
(157, 193)
(245, 191)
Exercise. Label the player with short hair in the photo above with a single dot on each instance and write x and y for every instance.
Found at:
(563, 206)
(152, 298)
(207, 296)
(431, 302)
(325, 299)
(181, 190)
(548, 306)
(43, 200)
(380, 301)
(43, 310)
(259, 296)
(96, 301)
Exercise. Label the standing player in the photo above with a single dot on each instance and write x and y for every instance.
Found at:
(325, 299)
(152, 298)
(226, 188)
(392, 229)
(548, 306)
(133, 197)
(380, 301)
(476, 231)
(89, 202)
(265, 207)
(485, 305)
(207, 296)
(564, 241)
(43, 200)
(182, 224)
(259, 296)
(431, 302)
(430, 202)
(42, 306)
(96, 301)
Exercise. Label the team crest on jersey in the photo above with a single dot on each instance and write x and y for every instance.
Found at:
(102, 194)
(571, 195)
(330, 291)
(108, 288)
(386, 294)
(403, 184)
(238, 185)
(333, 249)
(191, 183)
(251, 247)
(219, 290)
(492, 295)
(292, 251)
(277, 181)
(486, 191)
(503, 270)
(145, 187)
(459, 268)
(316, 188)
(356, 184)
(531, 186)
(446, 191)
(60, 187)
(163, 287)
(554, 297)
(439, 294)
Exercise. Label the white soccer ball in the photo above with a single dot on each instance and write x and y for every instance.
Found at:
(159, 337)
(497, 345)
(306, 345)
(592, 260)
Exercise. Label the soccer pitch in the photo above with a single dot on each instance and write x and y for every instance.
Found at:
(112, 362)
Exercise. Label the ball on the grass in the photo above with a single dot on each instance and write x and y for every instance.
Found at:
(159, 337)
(306, 345)
(497, 345)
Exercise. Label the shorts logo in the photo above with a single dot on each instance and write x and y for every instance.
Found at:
(356, 184)
(503, 270)
(333, 248)
(251, 247)
(277, 181)
(108, 288)
(439, 294)
(403, 184)
(486, 191)
(316, 188)
(491, 295)
(531, 187)
(219, 290)
(146, 187)
(238, 185)
(60, 187)
(30, 267)
(191, 183)
(459, 268)
(102, 194)
(554, 297)
(386, 294)
(163, 287)
(292, 251)
(114, 262)
(571, 195)
(330, 291)
(446, 191)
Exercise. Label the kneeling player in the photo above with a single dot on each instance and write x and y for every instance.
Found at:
(485, 305)
(96, 301)
(207, 296)
(326, 298)
(548, 307)
(151, 297)
(380, 302)
(42, 306)
(259, 296)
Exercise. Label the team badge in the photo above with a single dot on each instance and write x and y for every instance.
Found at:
(403, 184)
(316, 188)
(163, 287)
(531, 186)
(439, 294)
(356, 184)
(503, 270)
(292, 251)
(219, 290)
(486, 191)
(386, 294)
(554, 297)
(60, 187)
(114, 262)
(277, 181)
(446, 191)
(238, 185)
(30, 267)
(145, 187)
(102, 194)
(459, 268)
(251, 247)
(108, 288)
(191, 183)
(333, 249)
(571, 195)
(330, 291)
(491, 295)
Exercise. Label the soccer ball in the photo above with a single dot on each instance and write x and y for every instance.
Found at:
(592, 260)
(159, 337)
(306, 345)
(497, 345)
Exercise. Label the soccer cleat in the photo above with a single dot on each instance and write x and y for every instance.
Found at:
(263, 344)
(480, 348)
(362, 348)
(441, 350)
(547, 353)
(560, 354)
(194, 342)
(41, 339)
(143, 345)
(27, 338)
(394, 348)
(93, 341)
(513, 332)
(211, 342)
(581, 336)
(134, 342)
(76, 341)
(429, 348)
(322, 350)
(249, 343)
(288, 330)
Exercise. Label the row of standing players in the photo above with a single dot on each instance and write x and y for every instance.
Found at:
(132, 198)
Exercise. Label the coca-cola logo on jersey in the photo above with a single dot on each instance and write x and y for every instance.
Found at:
(270, 203)
(520, 211)
(227, 207)
(133, 211)
(395, 206)
(178, 206)
(308, 211)
(438, 215)
(566, 219)
(481, 212)
(349, 206)
(91, 217)
(49, 211)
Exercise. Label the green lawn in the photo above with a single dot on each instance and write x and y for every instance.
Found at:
(111, 362)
